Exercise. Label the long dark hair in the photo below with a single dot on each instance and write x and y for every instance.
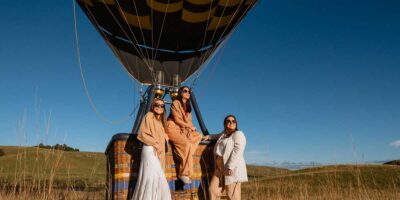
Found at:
(226, 123)
(188, 105)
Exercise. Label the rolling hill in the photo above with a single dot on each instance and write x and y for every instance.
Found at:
(26, 165)
(35, 164)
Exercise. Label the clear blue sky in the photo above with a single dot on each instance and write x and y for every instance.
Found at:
(311, 80)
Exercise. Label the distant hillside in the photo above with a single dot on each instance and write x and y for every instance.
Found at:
(37, 164)
(26, 165)
(255, 172)
(393, 162)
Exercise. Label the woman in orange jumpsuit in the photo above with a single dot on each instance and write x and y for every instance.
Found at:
(182, 133)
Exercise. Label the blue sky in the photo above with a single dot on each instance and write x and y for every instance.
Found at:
(311, 80)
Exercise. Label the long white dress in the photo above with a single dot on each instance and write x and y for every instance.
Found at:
(151, 183)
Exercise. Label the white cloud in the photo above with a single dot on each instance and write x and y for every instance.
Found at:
(395, 144)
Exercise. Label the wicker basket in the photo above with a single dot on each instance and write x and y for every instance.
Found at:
(123, 160)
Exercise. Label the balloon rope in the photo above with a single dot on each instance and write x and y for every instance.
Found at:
(94, 21)
(139, 50)
(161, 31)
(226, 27)
(208, 21)
(204, 59)
(203, 66)
(204, 40)
(190, 67)
(213, 69)
(152, 33)
(91, 102)
(227, 37)
(141, 31)
(130, 29)
(205, 35)
(235, 25)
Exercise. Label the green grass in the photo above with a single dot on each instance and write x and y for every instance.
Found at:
(329, 182)
(44, 169)
(37, 163)
(256, 172)
(32, 164)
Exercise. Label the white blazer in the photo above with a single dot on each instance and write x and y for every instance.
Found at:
(233, 156)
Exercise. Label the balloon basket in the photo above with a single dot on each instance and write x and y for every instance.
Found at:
(123, 160)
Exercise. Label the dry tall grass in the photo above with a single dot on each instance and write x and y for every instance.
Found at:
(42, 174)
(33, 173)
(361, 182)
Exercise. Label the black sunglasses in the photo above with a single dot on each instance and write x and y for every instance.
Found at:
(230, 122)
(159, 105)
(185, 91)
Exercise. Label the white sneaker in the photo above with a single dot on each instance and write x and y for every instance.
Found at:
(185, 179)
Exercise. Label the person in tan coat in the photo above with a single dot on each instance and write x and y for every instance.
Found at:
(230, 166)
(182, 133)
(151, 182)
(152, 132)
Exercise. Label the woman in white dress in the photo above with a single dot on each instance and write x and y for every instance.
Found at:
(151, 183)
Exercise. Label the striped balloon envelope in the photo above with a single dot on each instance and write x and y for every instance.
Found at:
(175, 37)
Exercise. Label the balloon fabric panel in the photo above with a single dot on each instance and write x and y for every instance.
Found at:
(174, 36)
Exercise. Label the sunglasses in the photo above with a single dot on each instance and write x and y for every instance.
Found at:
(156, 105)
(185, 91)
(230, 122)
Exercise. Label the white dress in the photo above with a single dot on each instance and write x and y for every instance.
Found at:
(151, 183)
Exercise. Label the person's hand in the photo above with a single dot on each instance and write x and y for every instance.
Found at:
(155, 152)
(193, 128)
(206, 137)
(228, 172)
(156, 149)
(159, 152)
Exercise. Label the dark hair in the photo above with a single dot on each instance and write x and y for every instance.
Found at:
(163, 116)
(234, 119)
(188, 105)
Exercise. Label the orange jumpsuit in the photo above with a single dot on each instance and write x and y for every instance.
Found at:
(184, 140)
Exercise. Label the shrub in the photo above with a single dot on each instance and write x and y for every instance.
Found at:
(393, 162)
(62, 147)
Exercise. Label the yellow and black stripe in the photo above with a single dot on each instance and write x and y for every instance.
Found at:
(164, 30)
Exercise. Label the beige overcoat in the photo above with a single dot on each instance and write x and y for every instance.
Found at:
(152, 133)
(233, 156)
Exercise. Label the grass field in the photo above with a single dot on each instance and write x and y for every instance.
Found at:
(330, 182)
(32, 173)
(34, 164)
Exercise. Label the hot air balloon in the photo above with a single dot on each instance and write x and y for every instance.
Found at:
(172, 36)
(162, 43)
